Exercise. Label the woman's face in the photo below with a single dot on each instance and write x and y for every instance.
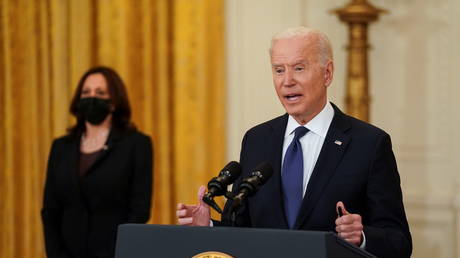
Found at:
(95, 85)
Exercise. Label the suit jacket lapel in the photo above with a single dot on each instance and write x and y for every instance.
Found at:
(278, 130)
(334, 147)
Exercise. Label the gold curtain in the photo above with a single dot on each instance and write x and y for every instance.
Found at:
(170, 55)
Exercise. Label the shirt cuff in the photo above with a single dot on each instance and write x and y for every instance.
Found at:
(363, 244)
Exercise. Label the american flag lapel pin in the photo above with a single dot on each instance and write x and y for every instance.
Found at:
(338, 142)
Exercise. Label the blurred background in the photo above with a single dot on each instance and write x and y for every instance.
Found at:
(198, 76)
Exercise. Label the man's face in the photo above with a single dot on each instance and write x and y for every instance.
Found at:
(300, 80)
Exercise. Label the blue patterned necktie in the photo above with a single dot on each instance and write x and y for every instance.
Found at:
(292, 177)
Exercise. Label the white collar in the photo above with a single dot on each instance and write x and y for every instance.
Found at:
(318, 125)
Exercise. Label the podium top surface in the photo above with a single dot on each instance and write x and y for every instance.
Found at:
(142, 241)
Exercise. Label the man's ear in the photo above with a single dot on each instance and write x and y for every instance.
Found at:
(328, 73)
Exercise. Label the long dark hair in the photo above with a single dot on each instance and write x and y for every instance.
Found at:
(121, 116)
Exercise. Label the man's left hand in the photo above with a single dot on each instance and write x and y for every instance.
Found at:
(349, 226)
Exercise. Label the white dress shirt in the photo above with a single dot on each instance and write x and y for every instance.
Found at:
(311, 142)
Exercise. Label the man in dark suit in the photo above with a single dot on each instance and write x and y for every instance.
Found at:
(331, 171)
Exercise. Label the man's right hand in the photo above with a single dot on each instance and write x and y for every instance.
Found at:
(194, 215)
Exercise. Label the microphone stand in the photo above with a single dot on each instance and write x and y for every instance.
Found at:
(210, 201)
(233, 218)
(236, 204)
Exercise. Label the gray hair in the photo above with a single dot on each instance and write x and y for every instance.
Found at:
(322, 43)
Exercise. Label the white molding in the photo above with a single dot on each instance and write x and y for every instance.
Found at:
(433, 223)
(432, 202)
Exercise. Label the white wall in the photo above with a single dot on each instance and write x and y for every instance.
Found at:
(414, 86)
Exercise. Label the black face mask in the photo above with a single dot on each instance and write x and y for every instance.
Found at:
(93, 110)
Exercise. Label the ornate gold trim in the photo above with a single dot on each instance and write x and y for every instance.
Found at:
(212, 254)
(358, 14)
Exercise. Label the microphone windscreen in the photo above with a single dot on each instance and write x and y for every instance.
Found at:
(265, 170)
(234, 170)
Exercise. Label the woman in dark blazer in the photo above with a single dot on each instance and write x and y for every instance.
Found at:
(99, 175)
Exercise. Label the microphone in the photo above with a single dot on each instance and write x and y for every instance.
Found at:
(251, 184)
(217, 186)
